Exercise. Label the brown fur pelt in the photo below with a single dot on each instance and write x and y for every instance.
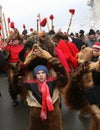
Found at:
(85, 54)
(59, 36)
(36, 51)
(47, 44)
(95, 65)
(35, 121)
(49, 124)
(75, 95)
(95, 118)
(15, 35)
(33, 38)
(44, 42)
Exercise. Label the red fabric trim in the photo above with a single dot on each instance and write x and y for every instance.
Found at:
(35, 81)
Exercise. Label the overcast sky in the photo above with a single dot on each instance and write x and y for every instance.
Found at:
(25, 12)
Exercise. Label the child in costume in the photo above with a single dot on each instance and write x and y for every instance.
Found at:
(43, 96)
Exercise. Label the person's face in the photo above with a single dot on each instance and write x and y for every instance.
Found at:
(92, 36)
(16, 42)
(41, 76)
(96, 53)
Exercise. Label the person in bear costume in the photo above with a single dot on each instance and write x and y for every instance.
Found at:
(42, 92)
(80, 95)
(14, 47)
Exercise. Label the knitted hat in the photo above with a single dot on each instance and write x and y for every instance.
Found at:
(40, 67)
(96, 46)
(91, 32)
(81, 32)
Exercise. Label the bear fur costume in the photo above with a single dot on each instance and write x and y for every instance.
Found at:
(84, 55)
(36, 51)
(63, 78)
(75, 95)
(46, 43)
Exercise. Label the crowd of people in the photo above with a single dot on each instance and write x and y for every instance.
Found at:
(62, 59)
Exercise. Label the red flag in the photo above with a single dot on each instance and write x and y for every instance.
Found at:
(72, 11)
(43, 22)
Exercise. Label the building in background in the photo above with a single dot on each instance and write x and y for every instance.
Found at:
(94, 13)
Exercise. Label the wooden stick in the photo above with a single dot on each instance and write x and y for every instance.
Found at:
(2, 29)
(48, 25)
(39, 21)
(5, 25)
(8, 28)
(52, 24)
(37, 25)
(70, 22)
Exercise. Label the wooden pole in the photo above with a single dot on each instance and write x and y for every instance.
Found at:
(39, 21)
(5, 25)
(48, 25)
(70, 22)
(8, 27)
(1, 22)
(37, 25)
(52, 24)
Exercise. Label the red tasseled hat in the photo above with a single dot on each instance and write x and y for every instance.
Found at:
(12, 25)
(43, 22)
(72, 11)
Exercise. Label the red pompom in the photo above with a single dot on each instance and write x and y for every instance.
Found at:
(72, 11)
(51, 17)
(24, 26)
(31, 29)
(8, 20)
(12, 25)
(0, 27)
(43, 22)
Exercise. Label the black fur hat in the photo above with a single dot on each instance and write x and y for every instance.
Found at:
(91, 32)
(37, 61)
(81, 32)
